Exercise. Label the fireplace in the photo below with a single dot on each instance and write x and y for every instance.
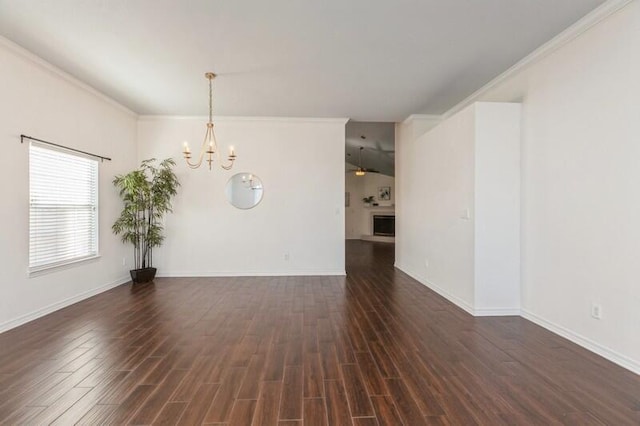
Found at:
(384, 225)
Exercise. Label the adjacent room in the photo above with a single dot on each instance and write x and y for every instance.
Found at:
(287, 213)
(369, 181)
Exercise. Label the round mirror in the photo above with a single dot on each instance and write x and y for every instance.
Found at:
(244, 190)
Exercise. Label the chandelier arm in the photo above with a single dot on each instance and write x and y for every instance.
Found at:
(203, 150)
(212, 137)
(228, 166)
(196, 164)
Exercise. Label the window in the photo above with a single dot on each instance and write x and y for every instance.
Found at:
(63, 209)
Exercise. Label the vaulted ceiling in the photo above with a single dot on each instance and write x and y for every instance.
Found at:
(377, 141)
(368, 60)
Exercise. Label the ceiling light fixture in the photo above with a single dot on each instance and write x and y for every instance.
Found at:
(209, 145)
(360, 171)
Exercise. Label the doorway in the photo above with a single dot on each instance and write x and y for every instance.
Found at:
(370, 181)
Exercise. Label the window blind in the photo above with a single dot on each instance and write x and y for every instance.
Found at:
(63, 210)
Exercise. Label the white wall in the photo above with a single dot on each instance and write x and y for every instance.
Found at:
(301, 164)
(373, 181)
(435, 245)
(358, 217)
(40, 101)
(405, 135)
(460, 221)
(496, 216)
(580, 180)
(580, 233)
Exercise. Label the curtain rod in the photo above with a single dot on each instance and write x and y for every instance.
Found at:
(102, 158)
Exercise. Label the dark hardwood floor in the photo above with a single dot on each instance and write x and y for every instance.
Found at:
(375, 348)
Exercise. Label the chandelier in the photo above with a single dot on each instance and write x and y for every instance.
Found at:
(209, 145)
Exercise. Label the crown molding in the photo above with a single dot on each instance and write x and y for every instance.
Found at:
(596, 16)
(336, 120)
(27, 55)
(425, 117)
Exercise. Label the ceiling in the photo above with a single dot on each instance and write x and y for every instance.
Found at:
(364, 59)
(378, 141)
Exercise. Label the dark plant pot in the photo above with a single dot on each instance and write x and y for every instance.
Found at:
(144, 275)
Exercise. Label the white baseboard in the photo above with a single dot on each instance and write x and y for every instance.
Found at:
(496, 312)
(23, 319)
(586, 343)
(378, 239)
(303, 273)
(603, 351)
(450, 297)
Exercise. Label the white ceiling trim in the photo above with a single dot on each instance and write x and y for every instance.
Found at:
(425, 117)
(597, 15)
(337, 120)
(25, 54)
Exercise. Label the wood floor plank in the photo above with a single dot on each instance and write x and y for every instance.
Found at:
(23, 416)
(97, 415)
(365, 421)
(79, 408)
(292, 393)
(315, 413)
(220, 409)
(187, 388)
(386, 411)
(295, 352)
(337, 406)
(274, 364)
(170, 413)
(58, 407)
(119, 394)
(404, 402)
(129, 406)
(242, 412)
(356, 391)
(251, 384)
(313, 381)
(197, 408)
(371, 375)
(266, 412)
(29, 395)
(329, 362)
(383, 360)
(154, 404)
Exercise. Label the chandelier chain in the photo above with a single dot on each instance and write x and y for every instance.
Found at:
(210, 101)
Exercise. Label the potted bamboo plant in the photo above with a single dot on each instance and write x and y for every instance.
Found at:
(146, 193)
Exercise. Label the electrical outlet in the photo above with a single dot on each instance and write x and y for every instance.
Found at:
(426, 263)
(596, 311)
(124, 261)
(286, 256)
